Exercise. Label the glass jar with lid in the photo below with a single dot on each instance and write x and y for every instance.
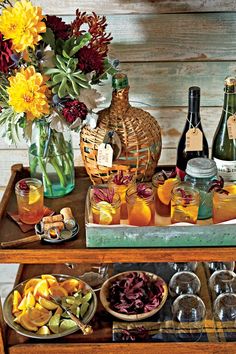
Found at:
(201, 173)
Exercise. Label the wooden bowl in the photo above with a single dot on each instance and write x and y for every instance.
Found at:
(104, 293)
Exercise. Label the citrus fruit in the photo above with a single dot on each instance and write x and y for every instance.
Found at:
(34, 195)
(52, 281)
(231, 188)
(54, 323)
(140, 214)
(16, 301)
(41, 289)
(43, 331)
(18, 316)
(58, 291)
(66, 325)
(31, 283)
(71, 285)
(106, 211)
(30, 300)
(58, 311)
(164, 190)
(47, 304)
(31, 289)
(22, 305)
(39, 317)
(26, 322)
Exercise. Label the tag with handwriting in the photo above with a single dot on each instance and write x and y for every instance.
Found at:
(105, 155)
(231, 125)
(194, 140)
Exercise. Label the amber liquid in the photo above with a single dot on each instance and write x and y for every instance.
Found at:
(30, 211)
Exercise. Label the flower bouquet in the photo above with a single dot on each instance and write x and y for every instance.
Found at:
(47, 69)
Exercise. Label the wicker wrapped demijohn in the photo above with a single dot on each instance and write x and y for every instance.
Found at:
(138, 131)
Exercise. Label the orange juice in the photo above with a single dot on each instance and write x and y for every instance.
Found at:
(105, 206)
(29, 194)
(224, 204)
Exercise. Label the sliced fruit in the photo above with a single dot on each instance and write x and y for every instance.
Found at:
(39, 317)
(54, 323)
(52, 281)
(71, 285)
(22, 305)
(16, 301)
(106, 211)
(38, 306)
(43, 331)
(47, 304)
(66, 325)
(231, 188)
(26, 322)
(31, 289)
(30, 300)
(164, 190)
(18, 316)
(140, 214)
(41, 289)
(58, 291)
(34, 195)
(58, 311)
(31, 283)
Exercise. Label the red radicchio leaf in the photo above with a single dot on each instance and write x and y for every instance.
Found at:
(103, 194)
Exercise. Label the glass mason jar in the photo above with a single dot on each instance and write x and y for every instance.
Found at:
(51, 159)
(141, 207)
(224, 205)
(29, 195)
(105, 213)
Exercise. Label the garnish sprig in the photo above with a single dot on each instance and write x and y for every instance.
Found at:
(218, 186)
(103, 195)
(144, 191)
(121, 179)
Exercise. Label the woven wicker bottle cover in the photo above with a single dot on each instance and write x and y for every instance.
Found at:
(138, 132)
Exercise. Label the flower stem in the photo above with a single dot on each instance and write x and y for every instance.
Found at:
(45, 176)
(58, 171)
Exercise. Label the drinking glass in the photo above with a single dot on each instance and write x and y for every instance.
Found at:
(29, 195)
(224, 205)
(181, 266)
(222, 281)
(184, 204)
(184, 283)
(189, 312)
(221, 265)
(224, 307)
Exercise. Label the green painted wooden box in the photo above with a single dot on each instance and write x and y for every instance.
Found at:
(157, 236)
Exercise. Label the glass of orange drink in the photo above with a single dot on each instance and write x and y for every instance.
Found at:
(105, 206)
(184, 204)
(224, 204)
(29, 195)
(121, 181)
(140, 205)
(163, 183)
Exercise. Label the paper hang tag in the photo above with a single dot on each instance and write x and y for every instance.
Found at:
(231, 125)
(105, 155)
(194, 140)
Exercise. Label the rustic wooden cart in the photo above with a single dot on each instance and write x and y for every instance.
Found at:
(37, 258)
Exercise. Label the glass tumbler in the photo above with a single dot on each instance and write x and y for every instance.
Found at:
(29, 195)
(222, 281)
(184, 283)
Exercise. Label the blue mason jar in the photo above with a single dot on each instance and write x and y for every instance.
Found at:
(200, 173)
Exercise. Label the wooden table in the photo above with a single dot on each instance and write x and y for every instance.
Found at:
(38, 258)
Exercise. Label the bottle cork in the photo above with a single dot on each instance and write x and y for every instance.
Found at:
(68, 217)
(53, 218)
(59, 225)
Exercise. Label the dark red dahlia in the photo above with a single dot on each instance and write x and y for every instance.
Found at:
(73, 110)
(5, 54)
(90, 60)
(60, 28)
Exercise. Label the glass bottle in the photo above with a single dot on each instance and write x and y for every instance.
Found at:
(223, 148)
(200, 173)
(193, 122)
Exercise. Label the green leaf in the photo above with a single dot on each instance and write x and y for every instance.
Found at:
(51, 71)
(61, 62)
(49, 38)
(65, 54)
(83, 40)
(58, 78)
(62, 88)
(82, 83)
(75, 86)
(80, 75)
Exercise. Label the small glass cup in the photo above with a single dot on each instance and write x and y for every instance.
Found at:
(224, 308)
(184, 204)
(222, 281)
(121, 181)
(163, 183)
(105, 211)
(213, 266)
(184, 283)
(181, 266)
(140, 205)
(224, 205)
(30, 198)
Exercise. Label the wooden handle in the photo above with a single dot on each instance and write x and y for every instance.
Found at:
(86, 329)
(20, 241)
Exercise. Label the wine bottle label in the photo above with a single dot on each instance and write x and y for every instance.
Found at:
(231, 125)
(194, 140)
(105, 155)
(226, 169)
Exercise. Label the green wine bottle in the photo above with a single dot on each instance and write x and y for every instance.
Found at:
(224, 146)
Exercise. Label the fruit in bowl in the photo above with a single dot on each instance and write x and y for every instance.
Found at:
(133, 295)
(31, 309)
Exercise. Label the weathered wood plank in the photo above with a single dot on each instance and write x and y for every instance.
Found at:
(180, 37)
(58, 7)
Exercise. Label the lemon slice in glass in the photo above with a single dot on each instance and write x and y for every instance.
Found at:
(106, 212)
(34, 195)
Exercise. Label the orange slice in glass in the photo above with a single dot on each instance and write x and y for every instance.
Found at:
(140, 214)
(164, 190)
(231, 188)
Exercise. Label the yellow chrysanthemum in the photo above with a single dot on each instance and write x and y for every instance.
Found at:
(22, 23)
(27, 93)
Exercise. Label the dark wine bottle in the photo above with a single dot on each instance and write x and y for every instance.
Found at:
(192, 142)
(224, 146)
